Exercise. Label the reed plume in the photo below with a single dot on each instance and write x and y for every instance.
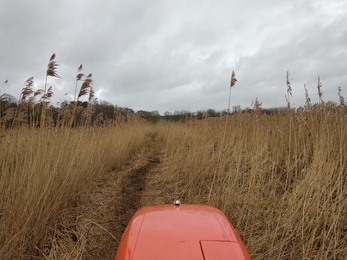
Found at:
(91, 94)
(320, 94)
(79, 77)
(233, 81)
(289, 90)
(27, 90)
(85, 89)
(51, 69)
(256, 105)
(86, 86)
(52, 72)
(307, 98)
(48, 95)
(341, 98)
(38, 92)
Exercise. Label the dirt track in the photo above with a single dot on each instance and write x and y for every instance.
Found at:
(116, 198)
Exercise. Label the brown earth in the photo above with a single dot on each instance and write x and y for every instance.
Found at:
(117, 196)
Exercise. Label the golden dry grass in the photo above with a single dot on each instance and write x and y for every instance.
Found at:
(44, 171)
(280, 179)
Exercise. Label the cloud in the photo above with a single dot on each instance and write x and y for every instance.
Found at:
(168, 56)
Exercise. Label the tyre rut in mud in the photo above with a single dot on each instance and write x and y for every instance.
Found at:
(133, 186)
(118, 197)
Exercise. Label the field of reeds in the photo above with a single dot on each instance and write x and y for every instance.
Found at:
(67, 190)
(280, 179)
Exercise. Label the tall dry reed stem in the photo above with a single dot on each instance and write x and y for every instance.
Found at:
(233, 81)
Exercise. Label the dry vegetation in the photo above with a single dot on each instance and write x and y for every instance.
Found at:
(281, 179)
(45, 171)
(67, 193)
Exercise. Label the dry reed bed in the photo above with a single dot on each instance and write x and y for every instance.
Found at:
(44, 171)
(280, 179)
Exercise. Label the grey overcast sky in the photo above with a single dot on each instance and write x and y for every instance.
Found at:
(170, 55)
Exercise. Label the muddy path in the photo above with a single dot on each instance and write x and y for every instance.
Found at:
(117, 196)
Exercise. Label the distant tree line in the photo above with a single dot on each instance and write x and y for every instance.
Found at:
(98, 113)
(200, 114)
(104, 113)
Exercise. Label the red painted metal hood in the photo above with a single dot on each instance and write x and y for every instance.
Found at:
(194, 232)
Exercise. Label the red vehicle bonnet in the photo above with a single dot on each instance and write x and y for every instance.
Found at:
(194, 232)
